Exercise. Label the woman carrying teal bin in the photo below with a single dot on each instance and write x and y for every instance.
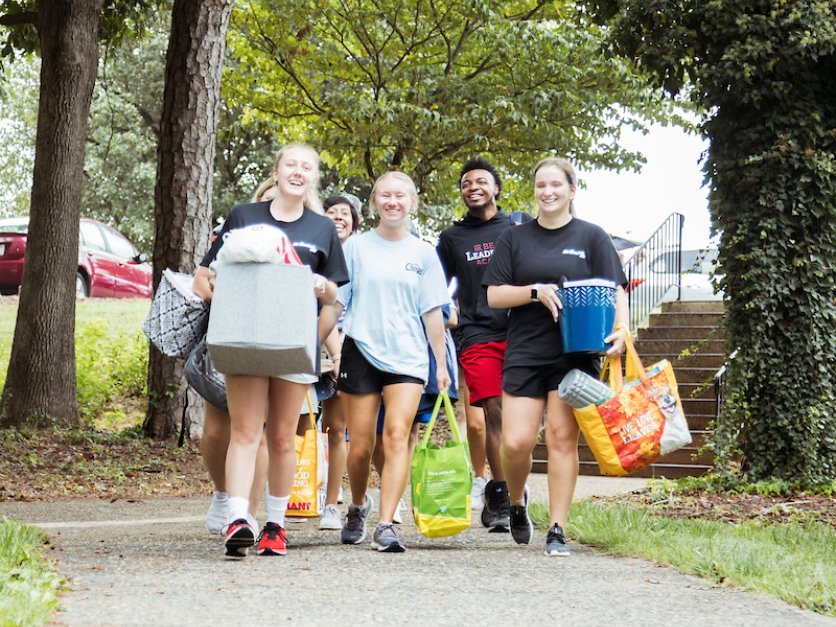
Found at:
(527, 265)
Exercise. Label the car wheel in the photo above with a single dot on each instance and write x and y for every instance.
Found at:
(82, 290)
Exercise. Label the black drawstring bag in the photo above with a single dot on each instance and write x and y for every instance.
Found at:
(202, 376)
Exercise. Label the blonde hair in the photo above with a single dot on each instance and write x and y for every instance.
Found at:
(566, 168)
(311, 199)
(262, 189)
(404, 178)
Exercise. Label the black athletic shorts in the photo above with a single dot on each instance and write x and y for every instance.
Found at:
(358, 376)
(538, 381)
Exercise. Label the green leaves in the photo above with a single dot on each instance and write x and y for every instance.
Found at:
(420, 86)
(764, 73)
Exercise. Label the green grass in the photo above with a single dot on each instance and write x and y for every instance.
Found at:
(28, 585)
(793, 563)
(111, 359)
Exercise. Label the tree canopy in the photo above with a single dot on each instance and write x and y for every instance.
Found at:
(420, 85)
(18, 120)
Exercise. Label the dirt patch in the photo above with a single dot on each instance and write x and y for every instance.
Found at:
(54, 464)
(732, 507)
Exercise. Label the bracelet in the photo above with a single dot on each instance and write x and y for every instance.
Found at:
(336, 357)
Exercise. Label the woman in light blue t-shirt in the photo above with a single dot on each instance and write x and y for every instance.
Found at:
(396, 283)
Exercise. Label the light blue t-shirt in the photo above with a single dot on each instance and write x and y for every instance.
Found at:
(392, 284)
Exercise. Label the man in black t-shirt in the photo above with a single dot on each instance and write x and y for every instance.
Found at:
(465, 250)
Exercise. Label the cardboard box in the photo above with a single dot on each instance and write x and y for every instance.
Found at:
(263, 320)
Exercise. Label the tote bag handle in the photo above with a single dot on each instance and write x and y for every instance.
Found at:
(633, 369)
(451, 418)
(310, 409)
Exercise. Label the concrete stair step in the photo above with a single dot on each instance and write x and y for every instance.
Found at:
(694, 375)
(697, 406)
(702, 306)
(654, 471)
(698, 360)
(692, 390)
(675, 346)
(684, 319)
(693, 333)
(699, 422)
(687, 456)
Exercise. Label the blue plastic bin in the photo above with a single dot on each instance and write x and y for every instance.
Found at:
(588, 315)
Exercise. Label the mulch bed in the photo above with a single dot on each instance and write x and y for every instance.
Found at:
(733, 507)
(45, 465)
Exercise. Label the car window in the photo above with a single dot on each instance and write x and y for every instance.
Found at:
(119, 246)
(14, 226)
(693, 261)
(92, 236)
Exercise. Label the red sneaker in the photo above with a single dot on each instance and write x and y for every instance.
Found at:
(272, 540)
(239, 538)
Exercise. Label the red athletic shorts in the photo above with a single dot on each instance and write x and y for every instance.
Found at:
(482, 368)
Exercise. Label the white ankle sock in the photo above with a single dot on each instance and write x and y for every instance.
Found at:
(223, 497)
(237, 508)
(276, 508)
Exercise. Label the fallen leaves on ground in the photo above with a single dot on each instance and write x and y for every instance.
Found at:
(53, 464)
(734, 507)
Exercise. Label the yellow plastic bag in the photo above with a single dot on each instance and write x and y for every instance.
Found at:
(304, 501)
(643, 422)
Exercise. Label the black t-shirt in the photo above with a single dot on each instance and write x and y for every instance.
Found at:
(313, 236)
(465, 250)
(527, 254)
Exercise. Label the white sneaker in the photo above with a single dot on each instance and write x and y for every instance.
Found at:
(217, 514)
(330, 518)
(397, 517)
(477, 495)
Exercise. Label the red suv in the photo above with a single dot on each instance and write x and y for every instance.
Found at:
(109, 266)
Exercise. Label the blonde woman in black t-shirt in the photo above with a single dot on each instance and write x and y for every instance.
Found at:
(295, 210)
(528, 262)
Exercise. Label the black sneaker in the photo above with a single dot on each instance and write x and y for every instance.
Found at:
(491, 504)
(501, 522)
(239, 538)
(556, 543)
(521, 528)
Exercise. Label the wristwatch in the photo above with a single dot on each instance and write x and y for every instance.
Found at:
(534, 296)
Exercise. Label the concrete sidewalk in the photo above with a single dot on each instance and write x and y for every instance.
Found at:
(152, 562)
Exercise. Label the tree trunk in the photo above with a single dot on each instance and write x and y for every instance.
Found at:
(183, 194)
(41, 386)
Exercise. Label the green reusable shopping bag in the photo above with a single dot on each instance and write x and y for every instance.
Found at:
(441, 480)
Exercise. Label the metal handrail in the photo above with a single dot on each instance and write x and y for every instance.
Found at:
(645, 287)
(719, 380)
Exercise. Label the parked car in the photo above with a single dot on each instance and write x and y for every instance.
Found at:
(626, 248)
(109, 266)
(697, 274)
